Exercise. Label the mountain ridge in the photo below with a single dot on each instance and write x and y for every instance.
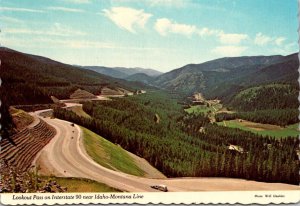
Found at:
(209, 76)
(122, 72)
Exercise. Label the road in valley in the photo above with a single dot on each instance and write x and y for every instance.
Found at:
(65, 156)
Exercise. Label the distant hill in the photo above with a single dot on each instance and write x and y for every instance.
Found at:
(226, 76)
(122, 72)
(140, 77)
(279, 96)
(107, 71)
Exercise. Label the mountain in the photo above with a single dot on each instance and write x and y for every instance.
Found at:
(107, 71)
(140, 77)
(122, 72)
(131, 71)
(226, 76)
(30, 79)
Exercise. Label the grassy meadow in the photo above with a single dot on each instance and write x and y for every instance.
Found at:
(109, 155)
(263, 129)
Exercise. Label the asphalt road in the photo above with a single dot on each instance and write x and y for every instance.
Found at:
(65, 156)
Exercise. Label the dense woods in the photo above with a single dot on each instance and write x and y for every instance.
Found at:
(271, 96)
(188, 145)
(268, 104)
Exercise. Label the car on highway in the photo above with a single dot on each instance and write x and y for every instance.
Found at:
(163, 188)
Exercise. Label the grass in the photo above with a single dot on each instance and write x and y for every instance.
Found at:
(109, 155)
(20, 113)
(82, 185)
(197, 109)
(21, 118)
(79, 111)
(263, 129)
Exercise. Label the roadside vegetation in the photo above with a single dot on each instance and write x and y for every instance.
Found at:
(81, 184)
(15, 181)
(109, 155)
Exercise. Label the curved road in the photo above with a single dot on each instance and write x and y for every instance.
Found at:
(65, 156)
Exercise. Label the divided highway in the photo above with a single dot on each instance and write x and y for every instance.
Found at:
(65, 156)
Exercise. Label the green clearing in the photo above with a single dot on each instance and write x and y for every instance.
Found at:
(109, 155)
(82, 185)
(197, 109)
(265, 130)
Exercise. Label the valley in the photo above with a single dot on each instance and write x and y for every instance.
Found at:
(206, 127)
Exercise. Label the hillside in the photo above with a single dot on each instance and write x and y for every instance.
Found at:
(131, 71)
(29, 79)
(122, 72)
(140, 77)
(226, 76)
(280, 96)
(33, 79)
(107, 71)
(33, 134)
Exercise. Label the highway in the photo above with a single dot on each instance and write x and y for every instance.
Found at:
(65, 156)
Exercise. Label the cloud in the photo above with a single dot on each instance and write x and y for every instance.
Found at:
(279, 41)
(78, 1)
(208, 32)
(231, 38)
(261, 39)
(20, 9)
(56, 30)
(10, 19)
(65, 9)
(127, 18)
(229, 51)
(42, 42)
(164, 26)
(168, 3)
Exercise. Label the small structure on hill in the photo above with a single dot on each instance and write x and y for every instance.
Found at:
(202, 130)
(82, 94)
(236, 148)
(140, 92)
(197, 99)
(156, 118)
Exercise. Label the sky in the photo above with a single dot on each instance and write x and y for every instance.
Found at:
(157, 34)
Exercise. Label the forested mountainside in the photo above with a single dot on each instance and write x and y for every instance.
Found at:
(31, 79)
(122, 72)
(141, 77)
(226, 76)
